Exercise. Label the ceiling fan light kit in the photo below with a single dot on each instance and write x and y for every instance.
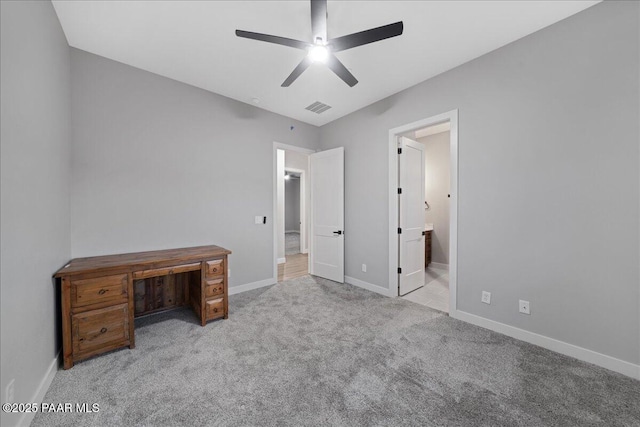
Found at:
(321, 51)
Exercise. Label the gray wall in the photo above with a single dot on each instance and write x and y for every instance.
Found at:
(437, 150)
(160, 164)
(548, 179)
(35, 172)
(292, 205)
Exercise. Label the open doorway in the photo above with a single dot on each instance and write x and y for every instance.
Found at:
(295, 225)
(434, 289)
(292, 212)
(423, 211)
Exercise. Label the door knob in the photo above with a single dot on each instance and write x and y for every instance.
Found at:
(338, 232)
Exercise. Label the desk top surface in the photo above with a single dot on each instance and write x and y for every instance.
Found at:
(141, 259)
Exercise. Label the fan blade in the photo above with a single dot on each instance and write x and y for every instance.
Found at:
(341, 71)
(273, 39)
(319, 20)
(365, 37)
(303, 65)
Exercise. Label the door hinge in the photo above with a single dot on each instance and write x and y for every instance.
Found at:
(399, 190)
(399, 270)
(424, 233)
(399, 230)
(399, 150)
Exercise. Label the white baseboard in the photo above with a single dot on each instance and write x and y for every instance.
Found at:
(251, 286)
(366, 285)
(292, 231)
(586, 355)
(305, 251)
(282, 260)
(38, 396)
(439, 266)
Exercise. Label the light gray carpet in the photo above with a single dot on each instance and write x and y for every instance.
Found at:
(291, 243)
(313, 352)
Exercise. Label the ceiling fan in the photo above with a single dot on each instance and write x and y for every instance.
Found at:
(323, 49)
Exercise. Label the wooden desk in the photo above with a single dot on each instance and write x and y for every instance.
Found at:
(102, 295)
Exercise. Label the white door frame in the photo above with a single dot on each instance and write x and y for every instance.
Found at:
(279, 146)
(452, 117)
(303, 208)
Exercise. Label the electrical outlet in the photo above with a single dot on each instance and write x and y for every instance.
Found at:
(364, 268)
(9, 392)
(524, 307)
(486, 297)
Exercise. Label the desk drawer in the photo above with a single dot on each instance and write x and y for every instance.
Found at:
(215, 308)
(98, 329)
(143, 274)
(213, 287)
(99, 290)
(215, 268)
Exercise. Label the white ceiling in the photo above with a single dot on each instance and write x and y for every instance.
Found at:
(194, 42)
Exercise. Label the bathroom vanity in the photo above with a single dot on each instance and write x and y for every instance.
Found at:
(427, 244)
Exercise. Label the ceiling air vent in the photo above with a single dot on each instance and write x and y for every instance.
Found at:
(318, 107)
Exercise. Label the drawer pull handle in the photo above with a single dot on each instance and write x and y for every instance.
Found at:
(215, 310)
(102, 291)
(103, 330)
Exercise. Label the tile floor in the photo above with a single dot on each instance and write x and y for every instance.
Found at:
(435, 292)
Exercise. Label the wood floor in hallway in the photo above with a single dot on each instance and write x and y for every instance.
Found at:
(297, 265)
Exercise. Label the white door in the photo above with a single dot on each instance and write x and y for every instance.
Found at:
(411, 228)
(326, 172)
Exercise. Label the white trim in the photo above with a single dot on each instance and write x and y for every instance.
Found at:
(452, 117)
(274, 172)
(439, 266)
(251, 286)
(368, 286)
(292, 231)
(42, 389)
(282, 260)
(586, 355)
(453, 213)
(304, 251)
